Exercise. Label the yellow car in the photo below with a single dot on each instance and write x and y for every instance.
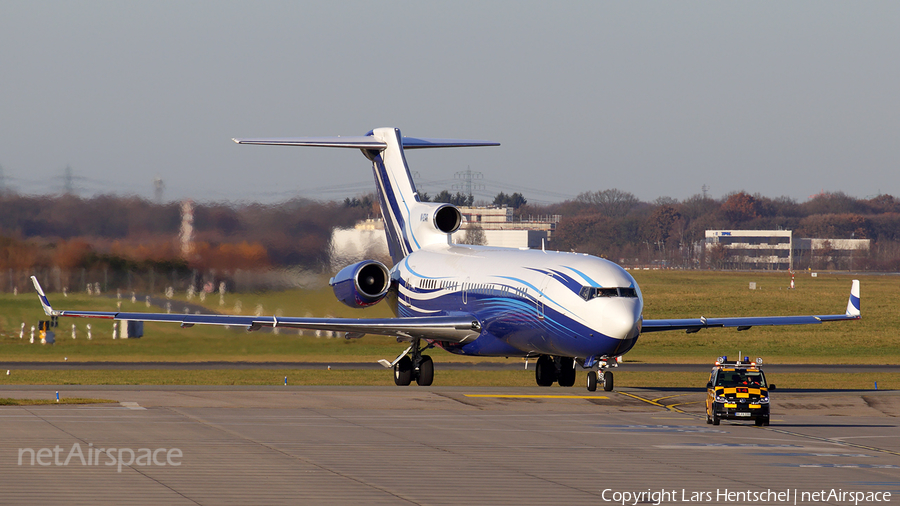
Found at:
(737, 390)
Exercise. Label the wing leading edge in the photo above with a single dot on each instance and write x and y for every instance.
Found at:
(457, 329)
(692, 325)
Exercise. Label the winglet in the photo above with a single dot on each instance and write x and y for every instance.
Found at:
(853, 307)
(48, 310)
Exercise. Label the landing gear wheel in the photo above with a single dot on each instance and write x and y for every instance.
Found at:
(403, 371)
(608, 381)
(592, 381)
(566, 372)
(426, 372)
(545, 371)
(715, 419)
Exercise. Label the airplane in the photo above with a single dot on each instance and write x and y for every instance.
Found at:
(565, 309)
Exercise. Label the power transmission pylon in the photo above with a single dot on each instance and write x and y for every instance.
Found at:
(468, 185)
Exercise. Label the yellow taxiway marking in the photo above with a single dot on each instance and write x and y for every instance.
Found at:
(667, 397)
(649, 401)
(513, 396)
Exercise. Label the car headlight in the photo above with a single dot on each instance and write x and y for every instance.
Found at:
(720, 398)
(763, 400)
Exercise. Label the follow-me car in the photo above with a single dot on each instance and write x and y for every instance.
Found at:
(737, 390)
(568, 310)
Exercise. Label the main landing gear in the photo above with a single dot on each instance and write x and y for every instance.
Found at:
(561, 370)
(413, 365)
(551, 370)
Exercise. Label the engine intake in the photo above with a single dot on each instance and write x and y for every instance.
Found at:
(361, 284)
(447, 219)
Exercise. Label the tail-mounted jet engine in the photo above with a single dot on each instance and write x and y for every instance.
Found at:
(361, 284)
(432, 222)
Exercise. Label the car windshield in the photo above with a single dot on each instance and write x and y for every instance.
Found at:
(740, 378)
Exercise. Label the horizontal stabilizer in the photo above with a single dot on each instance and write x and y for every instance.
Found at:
(418, 143)
(366, 142)
(359, 142)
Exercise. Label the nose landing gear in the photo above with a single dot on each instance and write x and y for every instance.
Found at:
(601, 375)
(592, 381)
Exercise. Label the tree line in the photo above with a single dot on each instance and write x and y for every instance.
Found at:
(119, 235)
(129, 234)
(617, 225)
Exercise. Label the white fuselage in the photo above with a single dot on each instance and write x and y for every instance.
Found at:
(528, 301)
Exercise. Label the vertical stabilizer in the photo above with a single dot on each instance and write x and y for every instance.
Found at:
(396, 192)
(400, 204)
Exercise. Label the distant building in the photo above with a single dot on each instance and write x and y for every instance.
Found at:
(841, 254)
(779, 250)
(749, 249)
(503, 230)
(366, 240)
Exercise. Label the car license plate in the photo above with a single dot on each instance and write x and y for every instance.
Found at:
(742, 414)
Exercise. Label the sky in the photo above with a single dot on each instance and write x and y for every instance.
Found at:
(653, 98)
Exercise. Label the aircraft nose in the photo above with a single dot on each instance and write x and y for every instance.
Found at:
(622, 321)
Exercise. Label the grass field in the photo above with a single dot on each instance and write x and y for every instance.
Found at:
(667, 294)
(875, 339)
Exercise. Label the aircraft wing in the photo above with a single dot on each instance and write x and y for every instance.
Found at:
(691, 325)
(456, 329)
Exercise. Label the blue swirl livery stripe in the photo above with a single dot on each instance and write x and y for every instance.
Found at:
(529, 285)
(563, 279)
(584, 276)
(568, 281)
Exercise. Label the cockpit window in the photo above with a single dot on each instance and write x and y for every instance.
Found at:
(590, 292)
(628, 292)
